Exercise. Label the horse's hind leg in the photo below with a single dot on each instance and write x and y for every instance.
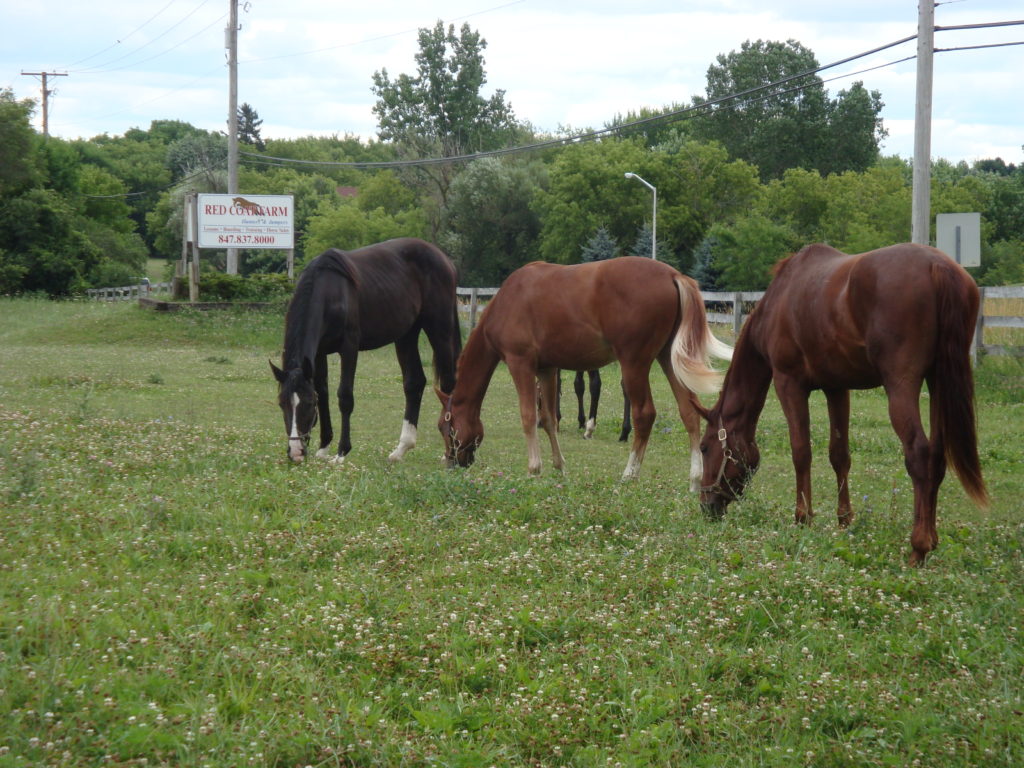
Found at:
(627, 426)
(579, 386)
(691, 420)
(635, 379)
(413, 383)
(839, 449)
(594, 377)
(905, 416)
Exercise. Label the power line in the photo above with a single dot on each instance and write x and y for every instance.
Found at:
(593, 135)
(99, 68)
(125, 37)
(683, 113)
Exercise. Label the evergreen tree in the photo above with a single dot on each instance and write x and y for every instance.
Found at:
(249, 123)
(600, 246)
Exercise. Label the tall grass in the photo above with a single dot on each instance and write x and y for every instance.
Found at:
(174, 592)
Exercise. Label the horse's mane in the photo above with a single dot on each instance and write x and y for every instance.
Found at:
(332, 260)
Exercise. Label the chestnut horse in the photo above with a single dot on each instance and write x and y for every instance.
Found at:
(894, 317)
(581, 317)
(348, 301)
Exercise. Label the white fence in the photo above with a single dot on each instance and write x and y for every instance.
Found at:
(127, 292)
(739, 304)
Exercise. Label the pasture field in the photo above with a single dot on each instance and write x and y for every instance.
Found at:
(174, 593)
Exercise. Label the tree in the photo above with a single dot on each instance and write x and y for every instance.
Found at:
(491, 228)
(743, 254)
(600, 246)
(440, 111)
(18, 170)
(249, 123)
(794, 125)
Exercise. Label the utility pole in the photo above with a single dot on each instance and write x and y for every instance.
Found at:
(231, 43)
(46, 96)
(922, 183)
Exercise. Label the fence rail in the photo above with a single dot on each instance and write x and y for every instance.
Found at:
(127, 292)
(723, 307)
(733, 307)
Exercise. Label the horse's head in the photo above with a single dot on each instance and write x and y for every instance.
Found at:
(461, 435)
(730, 459)
(297, 398)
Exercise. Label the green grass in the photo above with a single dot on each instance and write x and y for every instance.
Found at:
(174, 592)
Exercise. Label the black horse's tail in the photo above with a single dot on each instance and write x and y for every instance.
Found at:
(454, 331)
(952, 382)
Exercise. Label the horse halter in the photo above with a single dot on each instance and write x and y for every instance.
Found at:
(304, 437)
(453, 436)
(727, 457)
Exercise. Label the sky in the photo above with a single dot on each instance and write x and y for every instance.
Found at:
(306, 66)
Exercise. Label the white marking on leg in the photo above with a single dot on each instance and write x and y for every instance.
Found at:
(406, 441)
(696, 469)
(533, 462)
(323, 453)
(632, 466)
(588, 432)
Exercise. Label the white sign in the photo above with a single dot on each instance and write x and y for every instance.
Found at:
(959, 235)
(246, 221)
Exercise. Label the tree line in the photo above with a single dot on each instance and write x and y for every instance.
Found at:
(742, 181)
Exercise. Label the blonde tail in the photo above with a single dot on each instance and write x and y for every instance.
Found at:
(694, 344)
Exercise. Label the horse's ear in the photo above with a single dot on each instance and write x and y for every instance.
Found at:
(697, 406)
(278, 373)
(307, 368)
(442, 396)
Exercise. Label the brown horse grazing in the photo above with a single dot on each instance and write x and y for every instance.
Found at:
(581, 317)
(894, 318)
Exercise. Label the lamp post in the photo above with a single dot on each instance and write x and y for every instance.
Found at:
(654, 218)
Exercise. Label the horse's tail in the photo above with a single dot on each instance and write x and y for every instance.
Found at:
(455, 327)
(694, 344)
(952, 381)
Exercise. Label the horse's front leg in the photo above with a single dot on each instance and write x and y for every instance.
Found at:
(793, 398)
(413, 383)
(346, 398)
(524, 376)
(839, 449)
(548, 381)
(323, 405)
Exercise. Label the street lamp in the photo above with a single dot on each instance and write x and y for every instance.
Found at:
(654, 218)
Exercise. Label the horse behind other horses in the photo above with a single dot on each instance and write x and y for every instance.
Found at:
(346, 302)
(582, 317)
(895, 317)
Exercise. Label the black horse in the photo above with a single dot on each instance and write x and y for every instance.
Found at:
(345, 302)
(588, 419)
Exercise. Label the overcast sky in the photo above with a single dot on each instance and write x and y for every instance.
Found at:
(306, 66)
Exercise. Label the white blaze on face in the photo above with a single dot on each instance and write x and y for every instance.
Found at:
(295, 446)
